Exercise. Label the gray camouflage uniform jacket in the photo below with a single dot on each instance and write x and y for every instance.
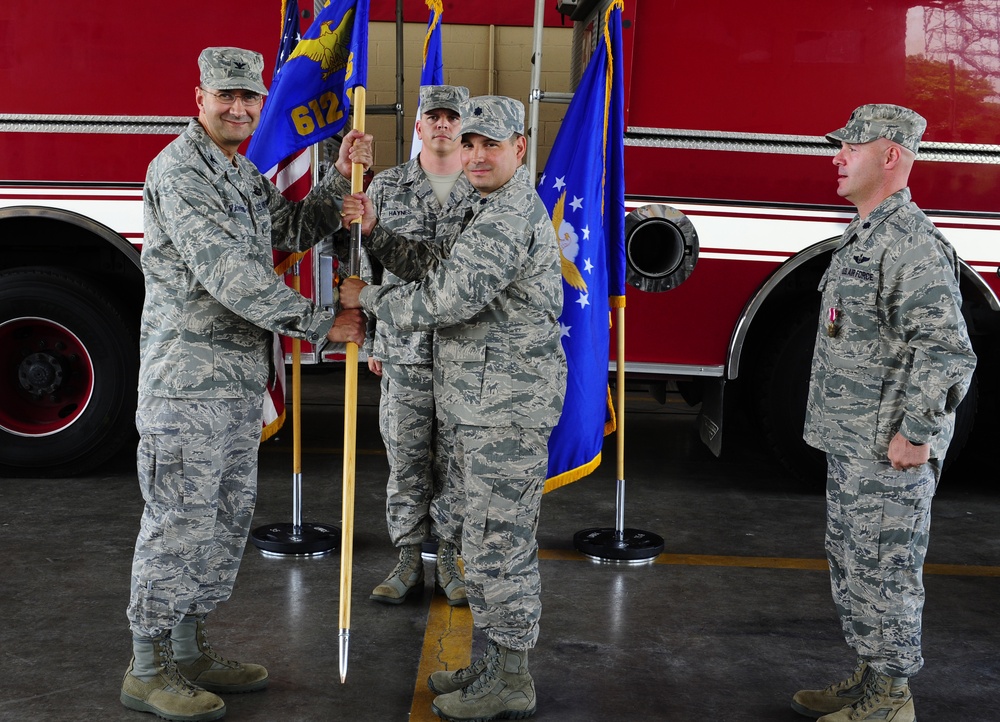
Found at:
(406, 205)
(212, 296)
(900, 358)
(493, 294)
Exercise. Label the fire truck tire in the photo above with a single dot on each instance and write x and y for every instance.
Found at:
(780, 388)
(780, 381)
(68, 370)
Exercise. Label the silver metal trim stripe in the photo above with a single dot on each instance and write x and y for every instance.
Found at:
(792, 144)
(658, 369)
(109, 124)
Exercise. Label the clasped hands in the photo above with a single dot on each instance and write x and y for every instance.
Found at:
(356, 205)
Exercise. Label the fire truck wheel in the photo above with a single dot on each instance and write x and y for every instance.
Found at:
(965, 421)
(780, 389)
(68, 365)
(780, 381)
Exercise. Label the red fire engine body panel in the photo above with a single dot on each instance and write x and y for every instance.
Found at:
(726, 108)
(726, 104)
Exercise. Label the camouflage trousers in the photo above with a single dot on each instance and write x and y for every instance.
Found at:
(197, 469)
(503, 473)
(878, 525)
(419, 498)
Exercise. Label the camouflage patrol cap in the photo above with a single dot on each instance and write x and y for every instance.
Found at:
(231, 69)
(450, 97)
(880, 120)
(495, 116)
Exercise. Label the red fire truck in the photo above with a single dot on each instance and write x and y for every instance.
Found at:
(92, 92)
(732, 193)
(73, 155)
(732, 196)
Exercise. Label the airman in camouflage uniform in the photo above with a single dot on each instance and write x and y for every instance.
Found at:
(212, 302)
(892, 362)
(492, 295)
(408, 201)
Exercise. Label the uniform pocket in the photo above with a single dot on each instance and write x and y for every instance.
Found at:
(462, 365)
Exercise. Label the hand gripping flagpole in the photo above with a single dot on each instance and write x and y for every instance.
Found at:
(350, 414)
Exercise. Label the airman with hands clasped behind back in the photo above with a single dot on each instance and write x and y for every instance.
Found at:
(421, 501)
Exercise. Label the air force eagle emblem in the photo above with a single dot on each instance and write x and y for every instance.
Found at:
(331, 49)
(569, 246)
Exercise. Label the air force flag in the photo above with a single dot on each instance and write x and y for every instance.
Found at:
(583, 188)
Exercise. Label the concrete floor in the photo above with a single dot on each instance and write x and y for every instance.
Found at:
(732, 619)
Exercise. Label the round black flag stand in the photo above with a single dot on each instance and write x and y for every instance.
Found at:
(296, 538)
(287, 539)
(619, 545)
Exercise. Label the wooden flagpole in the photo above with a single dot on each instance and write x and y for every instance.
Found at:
(350, 415)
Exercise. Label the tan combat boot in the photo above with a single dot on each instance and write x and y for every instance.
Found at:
(205, 667)
(504, 690)
(818, 702)
(444, 681)
(886, 699)
(153, 684)
(407, 576)
(449, 576)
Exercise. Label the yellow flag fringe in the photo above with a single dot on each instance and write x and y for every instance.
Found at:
(273, 428)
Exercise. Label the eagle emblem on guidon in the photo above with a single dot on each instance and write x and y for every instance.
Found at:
(568, 245)
(331, 49)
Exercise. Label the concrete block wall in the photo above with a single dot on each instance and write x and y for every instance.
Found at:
(486, 59)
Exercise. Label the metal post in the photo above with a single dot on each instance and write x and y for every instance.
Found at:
(297, 538)
(619, 545)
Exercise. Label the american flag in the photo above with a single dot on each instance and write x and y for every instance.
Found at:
(293, 178)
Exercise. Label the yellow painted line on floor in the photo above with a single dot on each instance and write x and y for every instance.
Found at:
(962, 570)
(706, 560)
(447, 644)
(448, 638)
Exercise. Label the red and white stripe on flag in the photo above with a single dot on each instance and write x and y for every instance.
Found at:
(293, 178)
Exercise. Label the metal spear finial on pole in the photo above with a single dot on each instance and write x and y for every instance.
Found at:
(350, 415)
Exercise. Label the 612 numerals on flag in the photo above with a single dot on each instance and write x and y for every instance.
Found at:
(318, 112)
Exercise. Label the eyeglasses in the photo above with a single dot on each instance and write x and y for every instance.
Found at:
(250, 100)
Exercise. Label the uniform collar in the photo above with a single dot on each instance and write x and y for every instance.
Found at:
(213, 153)
(413, 172)
(863, 229)
(414, 176)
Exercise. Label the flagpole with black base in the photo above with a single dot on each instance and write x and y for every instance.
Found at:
(296, 538)
(619, 545)
(604, 75)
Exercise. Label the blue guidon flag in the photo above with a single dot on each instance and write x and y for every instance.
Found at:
(310, 97)
(583, 187)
